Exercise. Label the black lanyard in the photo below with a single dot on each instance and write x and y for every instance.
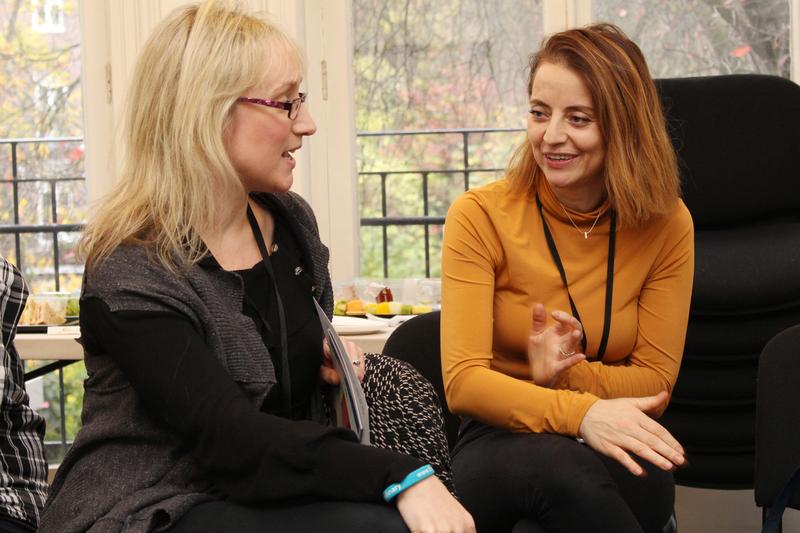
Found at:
(612, 239)
(286, 383)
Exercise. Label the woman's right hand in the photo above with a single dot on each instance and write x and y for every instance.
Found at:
(616, 427)
(428, 507)
(553, 350)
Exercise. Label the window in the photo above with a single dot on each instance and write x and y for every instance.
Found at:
(42, 191)
(439, 94)
(43, 201)
(48, 16)
(701, 38)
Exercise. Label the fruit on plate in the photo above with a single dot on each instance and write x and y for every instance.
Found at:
(382, 309)
(371, 308)
(421, 309)
(406, 309)
(355, 307)
(73, 306)
(385, 295)
(340, 307)
(395, 308)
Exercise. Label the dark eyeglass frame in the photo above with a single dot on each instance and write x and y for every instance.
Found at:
(292, 106)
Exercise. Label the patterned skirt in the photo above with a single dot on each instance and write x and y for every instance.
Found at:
(405, 413)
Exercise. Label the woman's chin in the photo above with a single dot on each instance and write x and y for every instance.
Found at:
(283, 184)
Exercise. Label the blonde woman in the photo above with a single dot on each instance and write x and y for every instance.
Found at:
(203, 406)
(565, 299)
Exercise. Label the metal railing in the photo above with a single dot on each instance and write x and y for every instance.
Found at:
(54, 228)
(426, 220)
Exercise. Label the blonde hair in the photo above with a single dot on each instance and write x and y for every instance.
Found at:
(640, 170)
(192, 68)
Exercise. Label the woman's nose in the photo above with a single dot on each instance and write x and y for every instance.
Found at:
(555, 133)
(303, 124)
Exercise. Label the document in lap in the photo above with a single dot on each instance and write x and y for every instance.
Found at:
(349, 404)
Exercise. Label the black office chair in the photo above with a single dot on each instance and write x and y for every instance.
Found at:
(737, 139)
(416, 341)
(778, 424)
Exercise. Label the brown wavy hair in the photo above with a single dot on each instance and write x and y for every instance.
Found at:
(640, 170)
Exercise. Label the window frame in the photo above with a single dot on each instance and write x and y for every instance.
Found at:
(326, 172)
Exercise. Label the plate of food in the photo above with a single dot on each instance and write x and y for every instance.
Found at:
(349, 325)
(47, 310)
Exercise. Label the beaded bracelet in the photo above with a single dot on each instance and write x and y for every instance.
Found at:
(412, 479)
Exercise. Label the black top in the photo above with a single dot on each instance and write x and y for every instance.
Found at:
(243, 449)
(304, 333)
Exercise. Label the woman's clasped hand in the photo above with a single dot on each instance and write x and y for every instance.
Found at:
(612, 427)
(552, 350)
(327, 371)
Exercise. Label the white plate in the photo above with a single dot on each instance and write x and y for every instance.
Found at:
(348, 325)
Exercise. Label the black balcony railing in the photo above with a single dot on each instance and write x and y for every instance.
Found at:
(426, 220)
(42, 164)
(11, 149)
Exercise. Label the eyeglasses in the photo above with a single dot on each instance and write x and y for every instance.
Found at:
(292, 106)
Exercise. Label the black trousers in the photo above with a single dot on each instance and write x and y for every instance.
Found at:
(353, 517)
(11, 525)
(565, 486)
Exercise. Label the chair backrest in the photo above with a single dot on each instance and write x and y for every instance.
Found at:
(737, 138)
(416, 341)
(778, 417)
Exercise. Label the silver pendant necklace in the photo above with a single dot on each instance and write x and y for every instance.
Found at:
(585, 233)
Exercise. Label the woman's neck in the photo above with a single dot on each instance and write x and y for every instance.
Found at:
(585, 200)
(230, 239)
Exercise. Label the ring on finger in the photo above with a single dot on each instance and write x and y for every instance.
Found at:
(356, 362)
(565, 354)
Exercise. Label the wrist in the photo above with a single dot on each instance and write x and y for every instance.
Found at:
(410, 480)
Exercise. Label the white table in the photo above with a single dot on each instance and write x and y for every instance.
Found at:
(49, 346)
(64, 346)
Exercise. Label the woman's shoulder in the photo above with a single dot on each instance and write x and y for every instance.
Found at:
(678, 220)
(670, 232)
(497, 196)
(131, 272)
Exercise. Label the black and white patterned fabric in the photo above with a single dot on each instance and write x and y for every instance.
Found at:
(404, 413)
(23, 469)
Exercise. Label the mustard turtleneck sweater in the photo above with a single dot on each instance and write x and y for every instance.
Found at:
(496, 265)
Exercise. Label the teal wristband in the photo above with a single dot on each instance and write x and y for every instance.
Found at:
(412, 479)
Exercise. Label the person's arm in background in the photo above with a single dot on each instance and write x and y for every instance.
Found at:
(470, 254)
(24, 468)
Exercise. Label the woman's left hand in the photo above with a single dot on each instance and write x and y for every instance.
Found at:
(553, 350)
(326, 370)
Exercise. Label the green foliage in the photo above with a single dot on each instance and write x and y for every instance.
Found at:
(422, 65)
(40, 97)
(705, 37)
(74, 375)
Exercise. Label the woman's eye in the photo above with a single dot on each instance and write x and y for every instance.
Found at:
(579, 120)
(535, 113)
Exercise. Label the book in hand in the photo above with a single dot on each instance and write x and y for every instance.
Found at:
(349, 404)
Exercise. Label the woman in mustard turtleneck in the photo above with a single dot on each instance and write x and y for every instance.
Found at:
(565, 299)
